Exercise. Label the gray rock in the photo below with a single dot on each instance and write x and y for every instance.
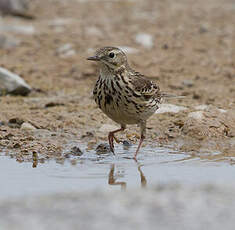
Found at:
(170, 108)
(27, 127)
(18, 29)
(197, 115)
(145, 40)
(102, 148)
(8, 42)
(187, 82)
(76, 151)
(66, 50)
(13, 6)
(11, 83)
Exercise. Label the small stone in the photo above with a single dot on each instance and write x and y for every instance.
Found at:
(15, 122)
(88, 135)
(11, 83)
(93, 31)
(8, 42)
(126, 143)
(198, 115)
(145, 40)
(13, 6)
(102, 148)
(67, 155)
(76, 151)
(53, 104)
(165, 47)
(202, 30)
(169, 108)
(66, 51)
(27, 126)
(16, 146)
(201, 107)
(196, 96)
(60, 22)
(188, 83)
(18, 29)
(2, 123)
(222, 110)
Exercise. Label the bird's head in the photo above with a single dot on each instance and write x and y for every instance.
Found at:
(112, 57)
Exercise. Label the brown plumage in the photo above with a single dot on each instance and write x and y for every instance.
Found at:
(125, 96)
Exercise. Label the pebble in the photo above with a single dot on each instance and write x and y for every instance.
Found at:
(165, 47)
(60, 22)
(126, 144)
(201, 107)
(13, 6)
(76, 151)
(188, 83)
(66, 50)
(27, 126)
(145, 40)
(15, 122)
(19, 29)
(11, 83)
(2, 123)
(198, 115)
(102, 148)
(8, 42)
(222, 110)
(207, 107)
(170, 108)
(94, 31)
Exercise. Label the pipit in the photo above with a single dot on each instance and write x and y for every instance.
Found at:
(124, 95)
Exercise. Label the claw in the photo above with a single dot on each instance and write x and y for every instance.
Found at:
(111, 137)
(116, 139)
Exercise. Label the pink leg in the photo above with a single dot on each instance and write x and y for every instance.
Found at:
(140, 143)
(111, 137)
(143, 133)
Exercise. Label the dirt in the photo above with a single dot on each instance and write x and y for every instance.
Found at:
(193, 55)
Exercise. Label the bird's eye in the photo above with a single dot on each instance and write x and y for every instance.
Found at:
(111, 55)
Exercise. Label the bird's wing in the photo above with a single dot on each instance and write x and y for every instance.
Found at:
(145, 87)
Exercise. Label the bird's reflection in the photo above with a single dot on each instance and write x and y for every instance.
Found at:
(142, 177)
(113, 181)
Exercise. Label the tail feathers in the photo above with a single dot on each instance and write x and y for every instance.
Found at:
(167, 95)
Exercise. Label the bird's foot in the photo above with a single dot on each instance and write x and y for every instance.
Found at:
(116, 139)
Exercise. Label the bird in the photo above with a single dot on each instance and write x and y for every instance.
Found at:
(124, 95)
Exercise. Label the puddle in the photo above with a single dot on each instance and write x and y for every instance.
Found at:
(154, 166)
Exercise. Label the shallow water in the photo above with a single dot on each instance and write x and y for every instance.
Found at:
(108, 172)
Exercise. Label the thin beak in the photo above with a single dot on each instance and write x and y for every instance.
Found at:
(94, 58)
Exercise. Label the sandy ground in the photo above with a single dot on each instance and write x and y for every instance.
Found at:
(193, 55)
